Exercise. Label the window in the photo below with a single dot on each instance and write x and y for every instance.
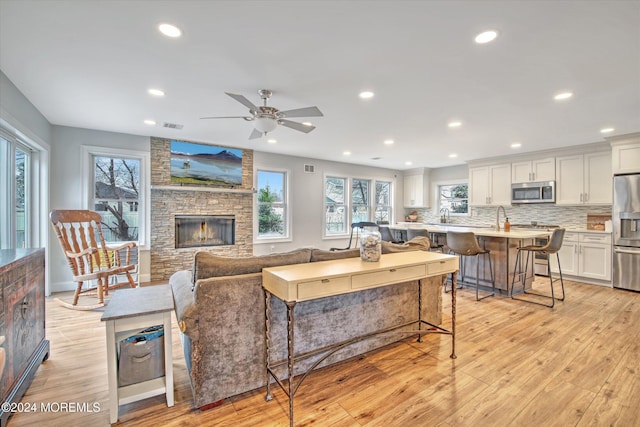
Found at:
(454, 197)
(117, 188)
(15, 193)
(335, 208)
(273, 222)
(383, 202)
(365, 204)
(360, 200)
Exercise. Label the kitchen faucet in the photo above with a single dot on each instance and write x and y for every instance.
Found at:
(444, 215)
(498, 216)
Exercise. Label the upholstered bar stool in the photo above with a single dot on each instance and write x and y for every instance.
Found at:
(466, 245)
(552, 247)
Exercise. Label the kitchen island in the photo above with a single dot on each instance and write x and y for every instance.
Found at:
(502, 244)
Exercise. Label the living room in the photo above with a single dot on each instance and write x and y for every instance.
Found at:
(64, 145)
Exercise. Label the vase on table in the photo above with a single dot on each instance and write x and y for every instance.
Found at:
(370, 244)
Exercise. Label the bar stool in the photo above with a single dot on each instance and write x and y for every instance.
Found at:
(465, 244)
(552, 247)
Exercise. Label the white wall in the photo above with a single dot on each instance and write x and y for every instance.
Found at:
(66, 187)
(307, 197)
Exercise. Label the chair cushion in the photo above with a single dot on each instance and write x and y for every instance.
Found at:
(322, 255)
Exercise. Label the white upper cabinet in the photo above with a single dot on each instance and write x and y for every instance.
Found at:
(534, 170)
(626, 155)
(490, 185)
(584, 179)
(416, 191)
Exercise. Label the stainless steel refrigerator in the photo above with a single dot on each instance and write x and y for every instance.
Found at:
(626, 231)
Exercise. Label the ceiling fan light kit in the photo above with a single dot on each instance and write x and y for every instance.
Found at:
(266, 119)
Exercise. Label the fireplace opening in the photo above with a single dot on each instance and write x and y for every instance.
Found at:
(205, 230)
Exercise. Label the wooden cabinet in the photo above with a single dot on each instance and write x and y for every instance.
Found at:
(22, 323)
(416, 190)
(585, 255)
(534, 170)
(490, 185)
(584, 179)
(625, 153)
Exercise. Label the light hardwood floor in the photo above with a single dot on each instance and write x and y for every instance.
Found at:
(518, 365)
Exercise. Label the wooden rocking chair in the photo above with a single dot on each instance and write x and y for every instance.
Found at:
(77, 232)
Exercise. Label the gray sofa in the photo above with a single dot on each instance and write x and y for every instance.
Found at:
(220, 310)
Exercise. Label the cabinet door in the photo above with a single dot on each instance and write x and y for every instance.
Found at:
(569, 174)
(413, 191)
(544, 169)
(568, 254)
(595, 261)
(500, 184)
(626, 158)
(521, 172)
(598, 178)
(479, 186)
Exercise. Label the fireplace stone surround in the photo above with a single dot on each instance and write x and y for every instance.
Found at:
(169, 200)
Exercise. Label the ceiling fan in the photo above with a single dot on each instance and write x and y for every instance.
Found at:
(266, 118)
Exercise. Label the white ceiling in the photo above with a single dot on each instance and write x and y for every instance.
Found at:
(89, 64)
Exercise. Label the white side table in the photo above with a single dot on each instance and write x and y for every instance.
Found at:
(130, 311)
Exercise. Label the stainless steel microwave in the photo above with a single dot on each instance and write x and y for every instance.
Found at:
(533, 192)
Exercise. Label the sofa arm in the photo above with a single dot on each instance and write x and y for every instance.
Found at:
(184, 303)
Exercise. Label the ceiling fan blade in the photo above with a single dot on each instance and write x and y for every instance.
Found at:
(303, 112)
(229, 117)
(296, 126)
(255, 134)
(244, 101)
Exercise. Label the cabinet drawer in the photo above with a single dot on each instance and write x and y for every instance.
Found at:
(443, 266)
(319, 288)
(571, 236)
(595, 238)
(393, 275)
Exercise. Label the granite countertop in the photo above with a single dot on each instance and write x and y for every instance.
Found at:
(478, 231)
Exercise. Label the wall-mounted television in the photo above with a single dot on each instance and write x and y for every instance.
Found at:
(203, 164)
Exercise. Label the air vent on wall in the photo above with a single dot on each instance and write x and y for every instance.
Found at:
(172, 125)
(309, 168)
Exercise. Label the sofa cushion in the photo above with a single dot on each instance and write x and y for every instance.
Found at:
(419, 243)
(207, 265)
(322, 255)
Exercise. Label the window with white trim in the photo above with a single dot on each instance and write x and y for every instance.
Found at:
(383, 202)
(454, 197)
(273, 218)
(117, 181)
(335, 207)
(15, 193)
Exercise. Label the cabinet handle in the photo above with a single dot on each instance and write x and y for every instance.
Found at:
(393, 270)
(325, 280)
(533, 176)
(586, 197)
(581, 196)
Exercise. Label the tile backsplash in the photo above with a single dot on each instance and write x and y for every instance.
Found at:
(564, 216)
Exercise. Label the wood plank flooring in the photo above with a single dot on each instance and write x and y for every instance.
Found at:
(518, 364)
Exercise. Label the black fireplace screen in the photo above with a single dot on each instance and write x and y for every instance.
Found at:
(205, 230)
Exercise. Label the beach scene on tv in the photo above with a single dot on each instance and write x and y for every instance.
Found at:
(205, 164)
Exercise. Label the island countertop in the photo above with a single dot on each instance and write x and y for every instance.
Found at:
(485, 232)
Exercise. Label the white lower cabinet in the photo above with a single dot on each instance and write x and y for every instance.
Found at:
(585, 255)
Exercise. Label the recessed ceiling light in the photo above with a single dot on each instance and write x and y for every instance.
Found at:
(486, 37)
(156, 92)
(563, 95)
(150, 122)
(389, 141)
(170, 30)
(272, 141)
(307, 123)
(408, 163)
(516, 145)
(366, 94)
(453, 155)
(455, 124)
(606, 130)
(346, 153)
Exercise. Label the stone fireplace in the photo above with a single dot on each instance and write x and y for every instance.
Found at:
(171, 201)
(194, 231)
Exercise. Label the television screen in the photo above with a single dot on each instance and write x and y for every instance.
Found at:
(193, 163)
